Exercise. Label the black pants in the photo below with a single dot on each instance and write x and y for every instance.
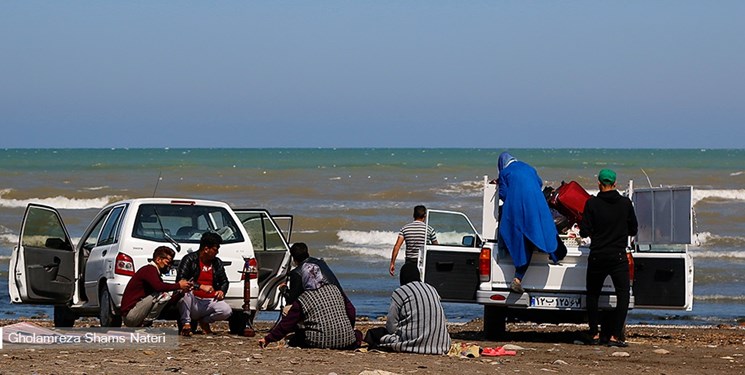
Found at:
(616, 266)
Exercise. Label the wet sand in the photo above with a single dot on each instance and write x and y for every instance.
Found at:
(544, 349)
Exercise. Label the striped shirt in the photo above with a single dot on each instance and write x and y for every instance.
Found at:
(414, 234)
(416, 322)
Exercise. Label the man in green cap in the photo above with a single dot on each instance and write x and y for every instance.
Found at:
(608, 220)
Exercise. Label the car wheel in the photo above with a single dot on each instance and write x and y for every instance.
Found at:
(107, 315)
(495, 322)
(63, 316)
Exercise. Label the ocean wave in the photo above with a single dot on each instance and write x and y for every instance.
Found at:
(58, 202)
(462, 189)
(720, 298)
(367, 251)
(9, 238)
(715, 194)
(718, 254)
(708, 239)
(369, 238)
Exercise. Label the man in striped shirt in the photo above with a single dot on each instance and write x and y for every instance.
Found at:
(415, 234)
(416, 321)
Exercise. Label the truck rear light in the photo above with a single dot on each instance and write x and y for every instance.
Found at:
(497, 297)
(485, 264)
(124, 265)
(631, 267)
(250, 268)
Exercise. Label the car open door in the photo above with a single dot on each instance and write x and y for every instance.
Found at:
(42, 268)
(271, 251)
(452, 264)
(663, 268)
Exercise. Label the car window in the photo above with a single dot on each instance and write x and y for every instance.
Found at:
(43, 228)
(453, 229)
(89, 242)
(184, 223)
(263, 233)
(110, 231)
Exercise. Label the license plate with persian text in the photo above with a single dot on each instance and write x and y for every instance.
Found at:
(559, 302)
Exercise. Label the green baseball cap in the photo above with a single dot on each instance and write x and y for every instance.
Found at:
(607, 177)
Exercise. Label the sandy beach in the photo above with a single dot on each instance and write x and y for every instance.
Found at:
(540, 349)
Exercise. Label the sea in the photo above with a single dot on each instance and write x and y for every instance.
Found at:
(348, 204)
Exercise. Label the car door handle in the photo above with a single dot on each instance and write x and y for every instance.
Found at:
(48, 267)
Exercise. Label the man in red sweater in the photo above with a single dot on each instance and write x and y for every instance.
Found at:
(146, 294)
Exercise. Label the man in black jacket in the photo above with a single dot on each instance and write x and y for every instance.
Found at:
(608, 220)
(206, 303)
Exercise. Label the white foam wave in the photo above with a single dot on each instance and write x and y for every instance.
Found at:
(367, 251)
(463, 189)
(95, 188)
(734, 194)
(719, 297)
(718, 254)
(708, 239)
(371, 238)
(4, 257)
(9, 238)
(59, 202)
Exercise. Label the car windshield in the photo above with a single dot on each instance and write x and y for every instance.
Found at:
(184, 223)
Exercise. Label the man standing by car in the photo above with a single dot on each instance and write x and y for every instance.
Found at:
(415, 234)
(608, 220)
(205, 304)
(146, 294)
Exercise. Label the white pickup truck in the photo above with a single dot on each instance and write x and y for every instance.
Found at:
(467, 267)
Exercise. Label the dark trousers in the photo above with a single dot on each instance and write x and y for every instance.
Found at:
(598, 268)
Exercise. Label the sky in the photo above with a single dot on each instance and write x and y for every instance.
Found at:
(429, 73)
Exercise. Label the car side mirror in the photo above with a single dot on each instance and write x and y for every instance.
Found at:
(468, 241)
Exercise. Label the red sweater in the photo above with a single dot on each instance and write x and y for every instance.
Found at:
(145, 282)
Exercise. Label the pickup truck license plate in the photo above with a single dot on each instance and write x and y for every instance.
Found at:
(560, 302)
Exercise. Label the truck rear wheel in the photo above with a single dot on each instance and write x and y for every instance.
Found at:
(495, 322)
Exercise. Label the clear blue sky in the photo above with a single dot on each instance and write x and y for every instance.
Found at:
(372, 74)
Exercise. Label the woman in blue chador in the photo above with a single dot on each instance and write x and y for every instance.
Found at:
(526, 222)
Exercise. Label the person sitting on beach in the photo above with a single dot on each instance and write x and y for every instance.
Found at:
(146, 294)
(416, 321)
(321, 317)
(303, 261)
(205, 303)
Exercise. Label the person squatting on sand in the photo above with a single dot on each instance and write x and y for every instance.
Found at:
(415, 234)
(608, 220)
(303, 265)
(146, 294)
(205, 303)
(525, 221)
(416, 321)
(320, 315)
